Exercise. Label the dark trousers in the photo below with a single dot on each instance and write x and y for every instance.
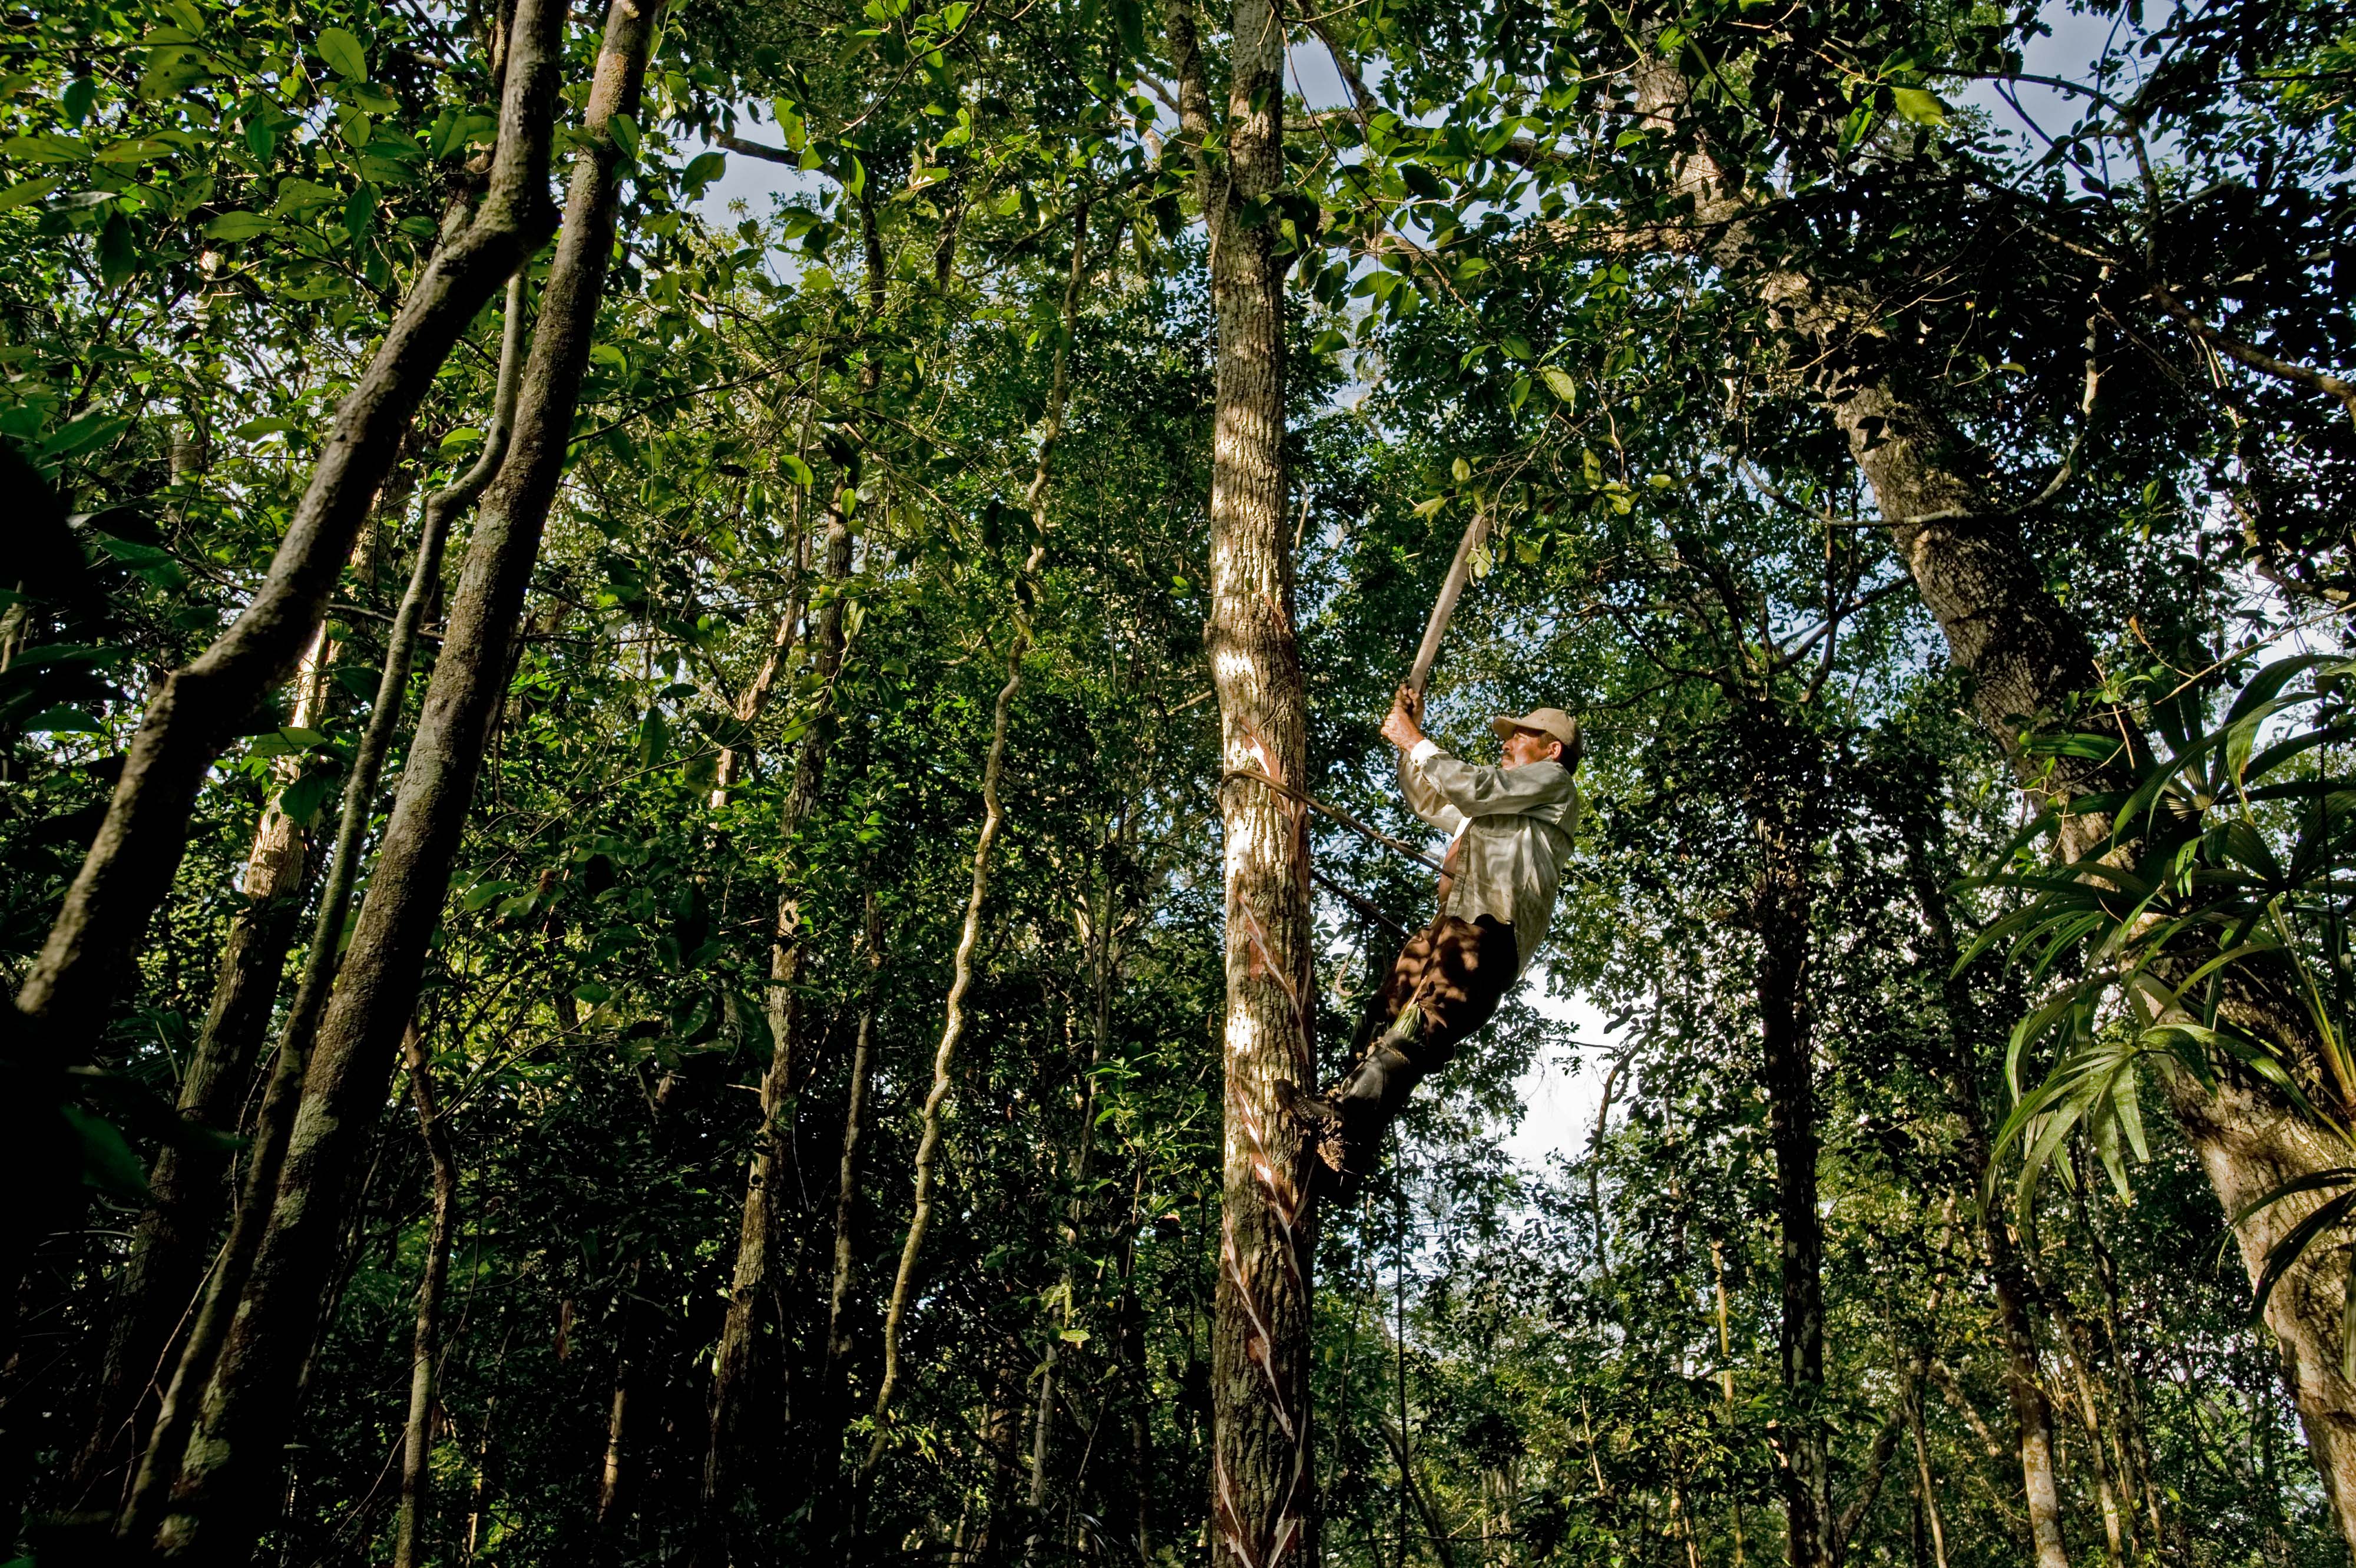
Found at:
(1455, 971)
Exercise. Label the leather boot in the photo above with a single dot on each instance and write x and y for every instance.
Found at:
(1345, 1125)
(1369, 1098)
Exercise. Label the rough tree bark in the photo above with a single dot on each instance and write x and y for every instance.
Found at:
(2029, 660)
(186, 1187)
(196, 711)
(219, 1501)
(425, 1344)
(1263, 1505)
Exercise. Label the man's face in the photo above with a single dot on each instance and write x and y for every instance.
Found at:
(1524, 746)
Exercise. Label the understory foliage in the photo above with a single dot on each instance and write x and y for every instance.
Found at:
(1579, 270)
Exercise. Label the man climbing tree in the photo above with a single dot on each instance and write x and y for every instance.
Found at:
(1510, 828)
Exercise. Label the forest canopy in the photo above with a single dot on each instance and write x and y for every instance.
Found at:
(692, 756)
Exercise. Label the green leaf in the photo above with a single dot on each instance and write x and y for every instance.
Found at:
(486, 893)
(343, 54)
(62, 721)
(1559, 382)
(76, 100)
(156, 565)
(46, 149)
(303, 801)
(29, 191)
(2285, 1253)
(625, 131)
(2091, 748)
(1923, 108)
(90, 430)
(300, 195)
(2314, 1181)
(592, 993)
(1422, 181)
(232, 227)
(107, 1162)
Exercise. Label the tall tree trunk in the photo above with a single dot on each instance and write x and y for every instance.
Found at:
(1263, 1507)
(1083, 1168)
(1726, 1378)
(425, 1347)
(1782, 910)
(2029, 659)
(170, 1246)
(635, 1356)
(742, 1390)
(2032, 1412)
(160, 1462)
(746, 1354)
(2131, 1430)
(248, 1408)
(197, 709)
(833, 1393)
(953, 1020)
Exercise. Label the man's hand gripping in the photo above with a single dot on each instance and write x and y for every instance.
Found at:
(1404, 726)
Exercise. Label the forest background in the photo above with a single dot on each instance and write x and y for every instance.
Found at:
(647, 918)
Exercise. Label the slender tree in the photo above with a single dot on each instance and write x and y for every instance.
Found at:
(196, 711)
(1263, 1503)
(217, 1503)
(409, 1546)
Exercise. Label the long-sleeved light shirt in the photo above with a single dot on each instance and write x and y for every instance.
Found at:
(1515, 824)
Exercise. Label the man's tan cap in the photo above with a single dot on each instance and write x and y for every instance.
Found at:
(1551, 721)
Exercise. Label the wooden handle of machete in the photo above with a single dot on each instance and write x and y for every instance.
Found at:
(1445, 605)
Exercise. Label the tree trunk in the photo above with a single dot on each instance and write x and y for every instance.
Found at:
(425, 1350)
(199, 708)
(186, 1187)
(754, 700)
(834, 1399)
(1783, 907)
(1926, 1490)
(160, 1462)
(2131, 1431)
(737, 1379)
(1263, 1507)
(1083, 1168)
(743, 1393)
(248, 1408)
(929, 1138)
(635, 1354)
(2032, 1412)
(2029, 659)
